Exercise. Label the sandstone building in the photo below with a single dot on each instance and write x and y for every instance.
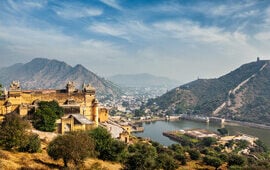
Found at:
(81, 107)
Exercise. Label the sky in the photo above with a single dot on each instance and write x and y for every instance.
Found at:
(180, 39)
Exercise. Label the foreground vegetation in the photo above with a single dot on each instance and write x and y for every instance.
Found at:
(76, 149)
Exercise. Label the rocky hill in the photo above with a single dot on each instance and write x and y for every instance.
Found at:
(41, 73)
(143, 80)
(243, 94)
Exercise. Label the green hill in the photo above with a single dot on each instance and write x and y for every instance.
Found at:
(243, 94)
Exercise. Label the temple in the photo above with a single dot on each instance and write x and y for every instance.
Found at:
(81, 108)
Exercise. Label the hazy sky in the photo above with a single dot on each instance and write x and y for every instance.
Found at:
(180, 39)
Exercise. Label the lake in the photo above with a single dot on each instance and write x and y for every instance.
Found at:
(153, 130)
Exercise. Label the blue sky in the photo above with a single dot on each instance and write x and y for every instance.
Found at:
(180, 39)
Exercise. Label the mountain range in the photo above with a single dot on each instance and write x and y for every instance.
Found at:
(42, 73)
(243, 94)
(143, 80)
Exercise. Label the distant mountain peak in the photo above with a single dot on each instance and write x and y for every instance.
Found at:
(50, 73)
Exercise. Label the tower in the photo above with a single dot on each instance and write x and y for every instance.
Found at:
(70, 87)
(95, 111)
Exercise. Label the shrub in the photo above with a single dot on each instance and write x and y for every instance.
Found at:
(181, 158)
(223, 131)
(194, 154)
(33, 144)
(13, 132)
(212, 161)
(107, 147)
(75, 146)
(208, 141)
(141, 156)
(167, 162)
(236, 160)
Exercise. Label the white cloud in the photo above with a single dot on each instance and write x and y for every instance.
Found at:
(77, 11)
(112, 3)
(229, 9)
(28, 42)
(26, 4)
(190, 31)
(104, 28)
(128, 30)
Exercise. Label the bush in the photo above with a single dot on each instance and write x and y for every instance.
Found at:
(194, 154)
(208, 141)
(236, 160)
(75, 146)
(223, 131)
(141, 156)
(181, 158)
(107, 147)
(13, 132)
(33, 144)
(212, 161)
(167, 162)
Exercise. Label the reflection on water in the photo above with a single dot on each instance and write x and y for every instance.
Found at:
(154, 130)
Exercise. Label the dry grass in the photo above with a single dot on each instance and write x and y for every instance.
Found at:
(198, 165)
(41, 161)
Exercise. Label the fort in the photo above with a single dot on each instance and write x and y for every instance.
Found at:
(81, 108)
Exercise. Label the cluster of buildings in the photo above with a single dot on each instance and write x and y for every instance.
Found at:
(82, 109)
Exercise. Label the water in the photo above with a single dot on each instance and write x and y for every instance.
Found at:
(153, 130)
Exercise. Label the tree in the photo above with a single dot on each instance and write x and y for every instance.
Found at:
(261, 147)
(13, 132)
(223, 131)
(194, 154)
(138, 113)
(33, 144)
(74, 146)
(141, 157)
(236, 160)
(181, 157)
(208, 141)
(107, 147)
(212, 161)
(167, 162)
(45, 116)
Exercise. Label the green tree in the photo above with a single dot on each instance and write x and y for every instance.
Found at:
(208, 141)
(261, 147)
(141, 157)
(194, 154)
(45, 116)
(181, 157)
(138, 113)
(236, 160)
(33, 144)
(212, 161)
(167, 162)
(107, 147)
(223, 131)
(75, 146)
(13, 131)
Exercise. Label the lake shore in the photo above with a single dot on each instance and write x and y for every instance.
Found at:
(227, 122)
(248, 124)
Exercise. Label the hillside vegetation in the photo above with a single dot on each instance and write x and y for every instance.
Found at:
(243, 94)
